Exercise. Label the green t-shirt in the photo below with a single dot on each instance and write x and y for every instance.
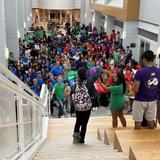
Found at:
(53, 33)
(116, 56)
(90, 64)
(26, 38)
(49, 24)
(117, 100)
(59, 91)
(12, 58)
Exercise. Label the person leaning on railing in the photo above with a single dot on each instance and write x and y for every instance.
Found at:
(12, 59)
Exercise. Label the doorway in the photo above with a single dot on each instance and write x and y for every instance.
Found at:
(144, 46)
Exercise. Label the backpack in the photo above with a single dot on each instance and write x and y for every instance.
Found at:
(81, 98)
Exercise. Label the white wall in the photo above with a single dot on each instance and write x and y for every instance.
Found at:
(150, 11)
(56, 4)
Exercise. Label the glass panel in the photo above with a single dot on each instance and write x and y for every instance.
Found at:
(38, 121)
(7, 106)
(115, 3)
(147, 47)
(27, 112)
(24, 101)
(100, 1)
(8, 141)
(27, 134)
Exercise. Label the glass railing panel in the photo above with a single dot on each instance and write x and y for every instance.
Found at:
(8, 141)
(7, 106)
(27, 112)
(27, 133)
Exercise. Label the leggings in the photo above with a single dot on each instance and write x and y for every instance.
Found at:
(82, 118)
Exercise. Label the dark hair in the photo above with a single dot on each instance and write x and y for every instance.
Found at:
(121, 80)
(148, 55)
(82, 73)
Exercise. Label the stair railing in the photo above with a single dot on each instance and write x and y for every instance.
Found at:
(23, 118)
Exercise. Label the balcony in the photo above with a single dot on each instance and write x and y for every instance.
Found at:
(127, 10)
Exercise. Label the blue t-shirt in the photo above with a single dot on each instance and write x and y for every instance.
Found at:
(59, 51)
(56, 71)
(26, 60)
(13, 70)
(73, 51)
(149, 78)
(40, 81)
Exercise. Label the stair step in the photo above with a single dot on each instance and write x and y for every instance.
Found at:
(59, 144)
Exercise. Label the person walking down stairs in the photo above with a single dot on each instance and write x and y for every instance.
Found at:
(85, 92)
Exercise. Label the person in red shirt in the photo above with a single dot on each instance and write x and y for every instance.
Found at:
(107, 37)
(112, 49)
(113, 36)
(103, 49)
(90, 47)
(128, 75)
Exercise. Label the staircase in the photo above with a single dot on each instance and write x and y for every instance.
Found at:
(59, 145)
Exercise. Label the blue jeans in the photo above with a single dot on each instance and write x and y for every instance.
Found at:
(61, 108)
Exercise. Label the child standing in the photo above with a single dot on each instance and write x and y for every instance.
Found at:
(67, 99)
(59, 93)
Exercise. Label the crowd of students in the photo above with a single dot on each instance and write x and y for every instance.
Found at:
(54, 58)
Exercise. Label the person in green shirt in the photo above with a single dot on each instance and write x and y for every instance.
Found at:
(117, 100)
(90, 63)
(116, 57)
(26, 38)
(58, 90)
(12, 59)
(49, 26)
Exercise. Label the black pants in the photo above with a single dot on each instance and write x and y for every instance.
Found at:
(82, 118)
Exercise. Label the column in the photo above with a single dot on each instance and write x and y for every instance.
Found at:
(130, 35)
(11, 16)
(29, 18)
(3, 49)
(30, 7)
(20, 18)
(49, 15)
(61, 16)
(85, 12)
(82, 12)
(98, 20)
(66, 18)
(88, 13)
(109, 24)
(71, 18)
(43, 17)
(27, 21)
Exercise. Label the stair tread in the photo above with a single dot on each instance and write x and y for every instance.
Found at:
(59, 145)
